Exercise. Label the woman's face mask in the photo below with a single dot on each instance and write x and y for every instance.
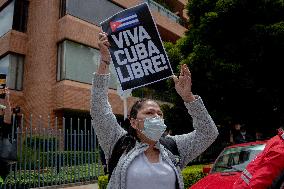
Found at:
(154, 128)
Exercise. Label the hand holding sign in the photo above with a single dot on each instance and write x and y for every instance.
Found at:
(183, 84)
(104, 45)
(105, 55)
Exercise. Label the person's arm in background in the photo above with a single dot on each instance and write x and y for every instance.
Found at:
(6, 110)
(2, 111)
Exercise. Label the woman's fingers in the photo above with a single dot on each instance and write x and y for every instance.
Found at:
(181, 71)
(103, 39)
(103, 36)
(102, 33)
(188, 81)
(105, 42)
(175, 79)
(179, 80)
(186, 70)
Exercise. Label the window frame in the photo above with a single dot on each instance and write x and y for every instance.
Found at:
(20, 15)
(18, 78)
(63, 10)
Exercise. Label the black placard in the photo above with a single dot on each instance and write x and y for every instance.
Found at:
(136, 48)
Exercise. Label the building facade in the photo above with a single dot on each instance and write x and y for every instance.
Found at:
(49, 50)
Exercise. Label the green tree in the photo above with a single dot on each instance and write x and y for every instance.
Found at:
(234, 50)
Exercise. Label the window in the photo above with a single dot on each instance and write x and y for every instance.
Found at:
(6, 18)
(12, 65)
(77, 62)
(93, 11)
(20, 15)
(13, 15)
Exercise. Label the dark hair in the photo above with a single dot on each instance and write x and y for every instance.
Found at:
(137, 106)
(133, 114)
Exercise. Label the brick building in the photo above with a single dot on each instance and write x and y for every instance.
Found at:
(49, 50)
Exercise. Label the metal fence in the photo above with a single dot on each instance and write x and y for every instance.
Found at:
(53, 153)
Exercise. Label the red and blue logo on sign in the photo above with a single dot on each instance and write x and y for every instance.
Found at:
(124, 23)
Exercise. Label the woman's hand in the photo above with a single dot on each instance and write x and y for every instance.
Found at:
(104, 45)
(183, 84)
(105, 55)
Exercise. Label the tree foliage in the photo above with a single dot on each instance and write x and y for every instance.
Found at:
(234, 49)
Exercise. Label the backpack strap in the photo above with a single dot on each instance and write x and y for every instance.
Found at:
(124, 143)
(170, 144)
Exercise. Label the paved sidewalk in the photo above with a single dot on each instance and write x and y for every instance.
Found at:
(89, 186)
(74, 186)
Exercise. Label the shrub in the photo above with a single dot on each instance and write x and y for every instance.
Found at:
(191, 175)
(49, 176)
(103, 181)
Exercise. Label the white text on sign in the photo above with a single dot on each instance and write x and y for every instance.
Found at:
(137, 56)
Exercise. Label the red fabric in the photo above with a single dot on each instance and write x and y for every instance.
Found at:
(266, 167)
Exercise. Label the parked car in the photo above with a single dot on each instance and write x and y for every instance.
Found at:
(229, 165)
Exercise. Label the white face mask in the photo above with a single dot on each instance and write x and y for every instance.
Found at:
(154, 128)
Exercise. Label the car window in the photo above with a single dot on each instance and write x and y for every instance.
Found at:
(237, 158)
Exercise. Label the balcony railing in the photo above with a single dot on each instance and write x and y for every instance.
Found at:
(157, 7)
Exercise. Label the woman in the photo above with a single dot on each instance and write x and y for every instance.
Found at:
(146, 163)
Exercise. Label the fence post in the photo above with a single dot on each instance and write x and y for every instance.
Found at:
(85, 144)
(56, 151)
(30, 162)
(74, 131)
(89, 155)
(21, 147)
(48, 150)
(38, 150)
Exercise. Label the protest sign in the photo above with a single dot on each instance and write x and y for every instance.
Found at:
(136, 48)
